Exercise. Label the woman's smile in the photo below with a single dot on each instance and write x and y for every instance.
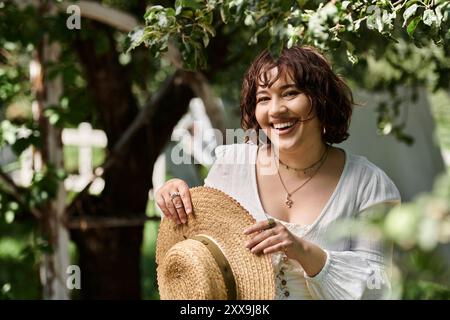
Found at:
(285, 127)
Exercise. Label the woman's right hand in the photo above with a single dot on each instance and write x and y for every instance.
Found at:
(175, 207)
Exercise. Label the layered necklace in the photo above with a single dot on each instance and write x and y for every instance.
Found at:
(315, 167)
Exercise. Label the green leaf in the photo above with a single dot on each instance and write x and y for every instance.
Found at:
(429, 17)
(224, 13)
(136, 36)
(194, 4)
(374, 21)
(205, 39)
(345, 4)
(413, 25)
(187, 13)
(408, 13)
(249, 20)
(350, 53)
(170, 12)
(207, 28)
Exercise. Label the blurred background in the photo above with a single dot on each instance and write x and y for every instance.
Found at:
(99, 100)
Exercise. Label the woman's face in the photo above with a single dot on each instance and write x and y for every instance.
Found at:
(279, 109)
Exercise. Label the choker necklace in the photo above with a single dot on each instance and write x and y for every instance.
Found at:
(321, 161)
(307, 169)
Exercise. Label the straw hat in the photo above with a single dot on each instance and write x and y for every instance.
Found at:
(206, 258)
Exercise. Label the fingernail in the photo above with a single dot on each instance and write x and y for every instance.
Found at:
(188, 211)
(245, 231)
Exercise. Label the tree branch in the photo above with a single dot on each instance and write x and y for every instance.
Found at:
(117, 151)
(16, 193)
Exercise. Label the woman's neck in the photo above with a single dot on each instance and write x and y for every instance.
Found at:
(303, 156)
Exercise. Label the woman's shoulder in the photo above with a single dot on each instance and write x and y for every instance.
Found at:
(236, 153)
(362, 165)
(231, 168)
(373, 185)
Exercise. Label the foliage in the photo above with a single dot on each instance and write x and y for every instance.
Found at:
(440, 102)
(191, 24)
(420, 233)
(21, 248)
(361, 36)
(18, 131)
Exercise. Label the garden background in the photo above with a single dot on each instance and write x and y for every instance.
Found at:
(95, 95)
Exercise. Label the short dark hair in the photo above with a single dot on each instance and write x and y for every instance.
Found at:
(331, 97)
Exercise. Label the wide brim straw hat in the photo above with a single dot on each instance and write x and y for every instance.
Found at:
(206, 258)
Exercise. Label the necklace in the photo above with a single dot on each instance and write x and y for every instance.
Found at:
(289, 201)
(305, 170)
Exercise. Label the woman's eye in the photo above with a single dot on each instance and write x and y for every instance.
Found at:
(262, 99)
(291, 93)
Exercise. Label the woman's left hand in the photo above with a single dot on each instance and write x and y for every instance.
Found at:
(272, 236)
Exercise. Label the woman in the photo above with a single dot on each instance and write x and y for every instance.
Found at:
(297, 185)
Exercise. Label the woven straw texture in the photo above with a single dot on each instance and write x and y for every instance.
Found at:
(186, 269)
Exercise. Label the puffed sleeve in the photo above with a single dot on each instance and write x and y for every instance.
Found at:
(360, 272)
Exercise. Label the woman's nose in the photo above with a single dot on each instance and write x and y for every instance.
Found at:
(277, 107)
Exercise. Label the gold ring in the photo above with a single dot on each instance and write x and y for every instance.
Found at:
(271, 223)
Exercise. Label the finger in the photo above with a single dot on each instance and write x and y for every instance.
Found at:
(260, 225)
(260, 237)
(171, 208)
(186, 197)
(269, 242)
(162, 205)
(279, 247)
(178, 204)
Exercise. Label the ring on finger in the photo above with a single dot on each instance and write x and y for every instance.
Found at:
(173, 195)
(178, 207)
(271, 223)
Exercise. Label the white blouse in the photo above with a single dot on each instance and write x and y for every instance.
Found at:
(356, 265)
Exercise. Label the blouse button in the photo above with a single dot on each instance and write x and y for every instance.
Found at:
(283, 282)
(286, 294)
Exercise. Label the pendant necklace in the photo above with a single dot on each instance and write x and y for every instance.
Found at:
(321, 161)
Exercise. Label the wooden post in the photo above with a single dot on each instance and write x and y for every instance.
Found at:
(48, 92)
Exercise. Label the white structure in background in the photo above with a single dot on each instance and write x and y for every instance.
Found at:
(446, 156)
(412, 168)
(193, 134)
(85, 138)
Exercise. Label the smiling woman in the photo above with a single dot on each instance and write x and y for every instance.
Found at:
(296, 184)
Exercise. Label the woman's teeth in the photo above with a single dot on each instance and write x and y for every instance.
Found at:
(284, 125)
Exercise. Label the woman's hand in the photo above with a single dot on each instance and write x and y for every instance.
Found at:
(271, 238)
(174, 200)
